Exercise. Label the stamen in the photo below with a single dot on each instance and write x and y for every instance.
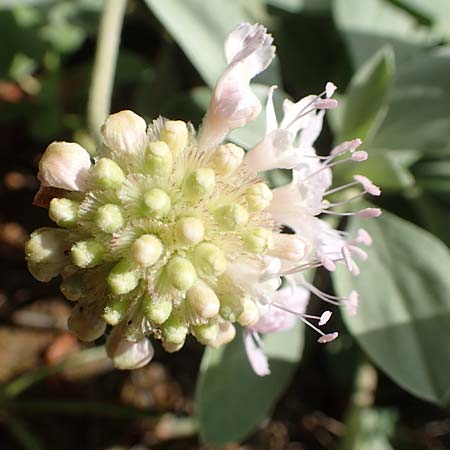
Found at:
(328, 338)
(347, 146)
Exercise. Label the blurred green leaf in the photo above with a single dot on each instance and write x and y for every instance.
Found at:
(402, 322)
(368, 25)
(383, 167)
(231, 400)
(200, 29)
(435, 11)
(419, 107)
(365, 101)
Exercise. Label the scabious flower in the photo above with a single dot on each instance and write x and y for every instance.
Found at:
(168, 232)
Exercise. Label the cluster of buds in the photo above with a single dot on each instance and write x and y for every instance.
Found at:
(168, 233)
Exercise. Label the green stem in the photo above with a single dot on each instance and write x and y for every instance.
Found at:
(100, 91)
(23, 382)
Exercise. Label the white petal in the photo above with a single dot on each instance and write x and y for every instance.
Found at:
(256, 357)
(64, 165)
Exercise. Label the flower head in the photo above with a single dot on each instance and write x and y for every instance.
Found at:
(168, 233)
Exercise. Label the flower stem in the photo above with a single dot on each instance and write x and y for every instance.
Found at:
(99, 101)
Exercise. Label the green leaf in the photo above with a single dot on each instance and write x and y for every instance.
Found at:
(365, 102)
(231, 400)
(419, 107)
(404, 315)
(368, 25)
(200, 29)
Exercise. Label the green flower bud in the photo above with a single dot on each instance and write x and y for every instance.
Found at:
(231, 306)
(157, 310)
(123, 278)
(226, 159)
(199, 183)
(159, 160)
(257, 240)
(85, 324)
(115, 309)
(209, 260)
(87, 253)
(107, 174)
(146, 250)
(109, 218)
(156, 203)
(231, 216)
(170, 347)
(64, 212)
(73, 287)
(46, 245)
(175, 135)
(258, 196)
(174, 330)
(181, 273)
(250, 315)
(202, 301)
(206, 333)
(189, 231)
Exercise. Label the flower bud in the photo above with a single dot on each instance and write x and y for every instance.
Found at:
(209, 260)
(46, 245)
(127, 355)
(175, 135)
(199, 183)
(156, 202)
(288, 246)
(87, 326)
(64, 165)
(107, 174)
(124, 131)
(64, 212)
(87, 253)
(258, 197)
(44, 271)
(189, 231)
(174, 330)
(123, 278)
(170, 347)
(206, 333)
(146, 250)
(109, 218)
(157, 310)
(202, 301)
(250, 314)
(226, 334)
(115, 310)
(257, 240)
(231, 306)
(159, 160)
(73, 287)
(231, 216)
(226, 159)
(181, 273)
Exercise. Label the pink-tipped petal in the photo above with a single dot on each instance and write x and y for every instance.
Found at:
(328, 338)
(351, 304)
(325, 317)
